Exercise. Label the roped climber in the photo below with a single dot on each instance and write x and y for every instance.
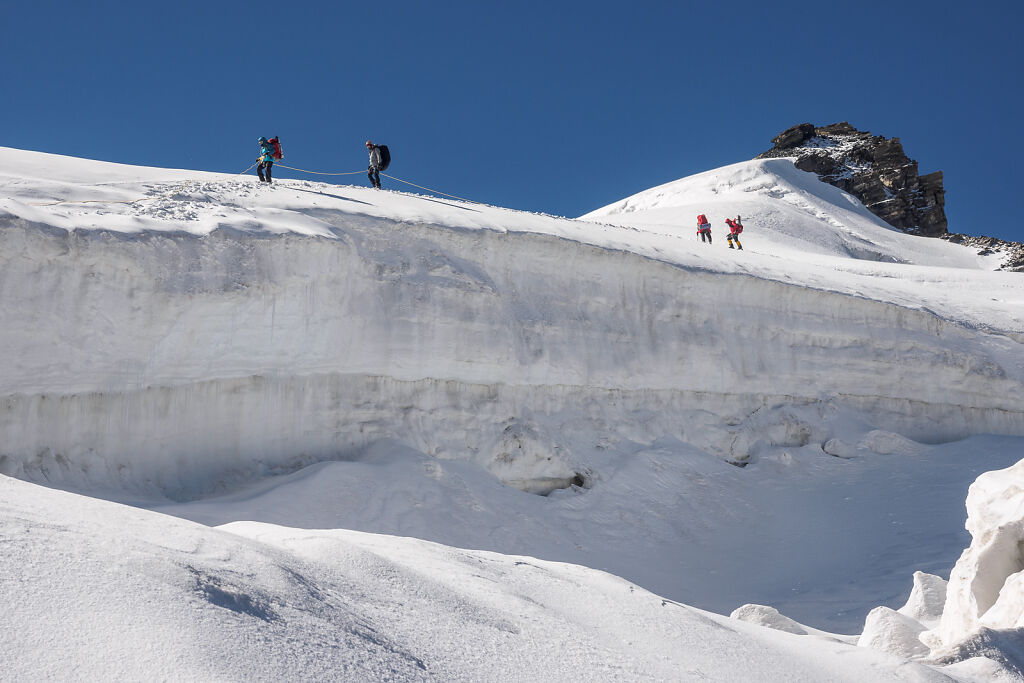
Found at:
(376, 161)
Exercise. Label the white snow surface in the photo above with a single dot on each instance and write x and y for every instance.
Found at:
(98, 591)
(305, 362)
(927, 599)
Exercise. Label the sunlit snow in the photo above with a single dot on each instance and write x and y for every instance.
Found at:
(338, 379)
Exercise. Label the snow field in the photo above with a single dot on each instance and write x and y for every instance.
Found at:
(335, 358)
(94, 590)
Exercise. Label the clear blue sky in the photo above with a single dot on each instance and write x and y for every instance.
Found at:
(549, 106)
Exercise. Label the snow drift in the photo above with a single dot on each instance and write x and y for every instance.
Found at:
(177, 600)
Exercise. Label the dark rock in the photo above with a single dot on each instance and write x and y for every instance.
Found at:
(1012, 253)
(793, 137)
(872, 168)
(843, 128)
(877, 171)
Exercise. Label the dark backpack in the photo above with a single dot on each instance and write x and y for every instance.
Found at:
(385, 157)
(276, 144)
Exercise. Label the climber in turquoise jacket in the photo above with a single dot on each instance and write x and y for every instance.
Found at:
(266, 159)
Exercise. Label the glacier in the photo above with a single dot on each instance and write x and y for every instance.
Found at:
(604, 391)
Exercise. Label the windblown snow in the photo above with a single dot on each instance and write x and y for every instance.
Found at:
(318, 370)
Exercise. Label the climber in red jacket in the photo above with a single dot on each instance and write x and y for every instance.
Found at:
(735, 228)
(704, 228)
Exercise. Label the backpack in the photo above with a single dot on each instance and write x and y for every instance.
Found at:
(385, 157)
(738, 227)
(276, 144)
(702, 220)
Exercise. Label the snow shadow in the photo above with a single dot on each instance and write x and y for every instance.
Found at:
(231, 597)
(332, 196)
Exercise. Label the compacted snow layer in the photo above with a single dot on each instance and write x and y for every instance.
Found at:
(172, 361)
(98, 591)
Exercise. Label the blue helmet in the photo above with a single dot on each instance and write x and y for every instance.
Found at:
(261, 140)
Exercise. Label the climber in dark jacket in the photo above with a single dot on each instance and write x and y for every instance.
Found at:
(373, 170)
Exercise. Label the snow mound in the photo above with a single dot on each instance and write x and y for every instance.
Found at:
(769, 617)
(887, 443)
(889, 631)
(927, 599)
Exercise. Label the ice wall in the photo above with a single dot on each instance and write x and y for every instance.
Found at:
(178, 363)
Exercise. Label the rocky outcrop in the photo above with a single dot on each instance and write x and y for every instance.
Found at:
(1012, 253)
(872, 168)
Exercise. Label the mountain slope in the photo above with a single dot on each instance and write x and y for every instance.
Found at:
(204, 348)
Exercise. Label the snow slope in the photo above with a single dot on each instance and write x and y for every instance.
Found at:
(331, 357)
(98, 591)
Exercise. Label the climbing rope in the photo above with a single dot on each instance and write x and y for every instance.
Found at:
(302, 170)
(462, 199)
(248, 169)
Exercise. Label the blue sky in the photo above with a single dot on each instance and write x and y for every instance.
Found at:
(558, 107)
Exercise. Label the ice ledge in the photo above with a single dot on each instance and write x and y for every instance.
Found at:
(190, 440)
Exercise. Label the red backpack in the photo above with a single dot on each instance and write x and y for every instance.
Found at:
(702, 220)
(276, 144)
